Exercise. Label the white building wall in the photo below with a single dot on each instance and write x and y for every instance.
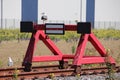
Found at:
(63, 10)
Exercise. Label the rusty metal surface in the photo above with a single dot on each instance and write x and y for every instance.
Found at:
(47, 71)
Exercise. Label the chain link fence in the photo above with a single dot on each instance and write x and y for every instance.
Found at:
(15, 24)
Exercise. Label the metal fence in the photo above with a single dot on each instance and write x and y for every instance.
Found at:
(15, 23)
(107, 25)
(10, 24)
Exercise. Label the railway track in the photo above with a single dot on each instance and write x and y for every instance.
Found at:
(47, 71)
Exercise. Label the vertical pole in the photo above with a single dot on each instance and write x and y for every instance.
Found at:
(81, 11)
(90, 11)
(1, 14)
(30, 10)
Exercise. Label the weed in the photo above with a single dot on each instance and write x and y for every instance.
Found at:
(51, 76)
(0, 63)
(15, 74)
(73, 49)
(78, 76)
(110, 66)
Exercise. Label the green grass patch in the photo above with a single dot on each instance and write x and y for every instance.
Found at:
(110, 33)
(16, 34)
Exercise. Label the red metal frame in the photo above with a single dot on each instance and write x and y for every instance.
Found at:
(78, 58)
(36, 36)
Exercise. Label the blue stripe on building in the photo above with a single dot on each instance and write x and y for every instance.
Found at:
(90, 11)
(30, 10)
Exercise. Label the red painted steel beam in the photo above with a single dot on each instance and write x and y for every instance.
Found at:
(80, 49)
(67, 27)
(31, 47)
(91, 60)
(98, 46)
(95, 59)
(46, 58)
(68, 56)
(48, 42)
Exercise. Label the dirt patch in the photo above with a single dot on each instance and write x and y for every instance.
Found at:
(16, 50)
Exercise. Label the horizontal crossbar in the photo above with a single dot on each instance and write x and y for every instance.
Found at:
(94, 60)
(46, 58)
(67, 27)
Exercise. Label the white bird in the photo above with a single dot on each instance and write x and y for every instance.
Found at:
(10, 61)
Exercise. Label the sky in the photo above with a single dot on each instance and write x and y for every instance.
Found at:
(105, 10)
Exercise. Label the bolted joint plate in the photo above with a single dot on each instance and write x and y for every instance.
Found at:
(26, 26)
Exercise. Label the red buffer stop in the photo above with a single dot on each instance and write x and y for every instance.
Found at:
(39, 32)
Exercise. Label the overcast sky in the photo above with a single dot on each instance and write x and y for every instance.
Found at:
(105, 10)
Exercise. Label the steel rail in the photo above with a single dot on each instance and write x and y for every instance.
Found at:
(48, 71)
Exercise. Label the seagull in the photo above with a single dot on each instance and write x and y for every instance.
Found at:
(10, 61)
(44, 17)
